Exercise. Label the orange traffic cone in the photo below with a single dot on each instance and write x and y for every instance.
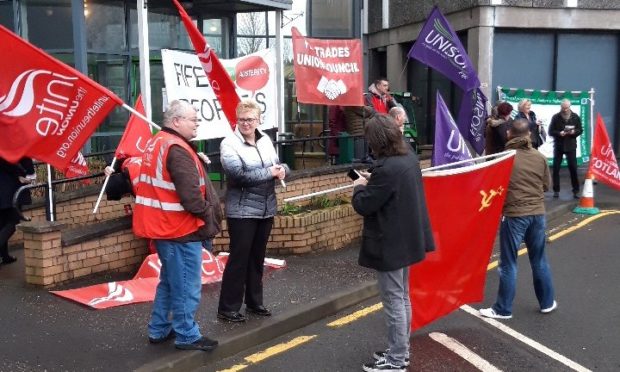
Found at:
(586, 202)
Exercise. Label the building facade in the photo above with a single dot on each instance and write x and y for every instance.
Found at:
(571, 45)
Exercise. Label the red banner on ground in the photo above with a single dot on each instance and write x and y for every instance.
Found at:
(465, 206)
(136, 135)
(604, 165)
(328, 72)
(142, 287)
(47, 109)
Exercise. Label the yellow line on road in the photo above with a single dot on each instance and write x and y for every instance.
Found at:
(355, 316)
(269, 352)
(560, 234)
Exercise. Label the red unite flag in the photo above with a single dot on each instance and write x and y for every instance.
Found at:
(47, 109)
(465, 205)
(136, 135)
(219, 79)
(78, 168)
(603, 164)
(328, 72)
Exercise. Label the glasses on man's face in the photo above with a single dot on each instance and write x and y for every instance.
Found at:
(246, 120)
(195, 120)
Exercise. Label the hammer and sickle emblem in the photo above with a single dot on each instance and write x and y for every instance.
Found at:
(487, 198)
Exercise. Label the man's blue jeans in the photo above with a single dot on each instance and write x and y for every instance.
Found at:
(178, 291)
(514, 230)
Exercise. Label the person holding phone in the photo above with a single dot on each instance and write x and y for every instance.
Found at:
(565, 127)
(396, 233)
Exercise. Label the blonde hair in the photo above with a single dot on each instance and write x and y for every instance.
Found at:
(522, 103)
(248, 104)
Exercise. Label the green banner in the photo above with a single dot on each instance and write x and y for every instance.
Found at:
(546, 104)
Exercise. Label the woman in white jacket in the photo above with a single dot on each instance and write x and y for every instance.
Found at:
(251, 167)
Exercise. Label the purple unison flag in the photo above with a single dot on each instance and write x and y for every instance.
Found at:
(438, 47)
(471, 118)
(449, 145)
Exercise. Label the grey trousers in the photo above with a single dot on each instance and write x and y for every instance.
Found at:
(394, 291)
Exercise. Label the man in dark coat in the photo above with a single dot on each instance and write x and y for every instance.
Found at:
(565, 127)
(396, 234)
(12, 177)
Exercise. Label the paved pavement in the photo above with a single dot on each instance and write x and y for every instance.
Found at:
(44, 332)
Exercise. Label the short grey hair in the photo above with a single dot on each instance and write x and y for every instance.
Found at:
(397, 111)
(177, 109)
(565, 102)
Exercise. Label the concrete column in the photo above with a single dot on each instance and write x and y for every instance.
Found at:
(43, 257)
(395, 64)
(480, 50)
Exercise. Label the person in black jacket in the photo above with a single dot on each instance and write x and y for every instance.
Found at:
(537, 131)
(396, 234)
(12, 177)
(565, 127)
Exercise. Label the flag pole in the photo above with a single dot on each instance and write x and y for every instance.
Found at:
(107, 178)
(50, 193)
(105, 183)
(135, 112)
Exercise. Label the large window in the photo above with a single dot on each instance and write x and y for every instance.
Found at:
(561, 61)
(48, 24)
(6, 14)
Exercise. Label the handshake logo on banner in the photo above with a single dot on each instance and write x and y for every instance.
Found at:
(331, 88)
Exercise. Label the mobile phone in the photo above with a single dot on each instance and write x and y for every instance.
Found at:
(353, 174)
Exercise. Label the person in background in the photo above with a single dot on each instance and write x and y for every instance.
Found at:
(537, 131)
(12, 177)
(565, 127)
(337, 124)
(396, 233)
(523, 220)
(400, 117)
(378, 96)
(171, 207)
(250, 163)
(497, 126)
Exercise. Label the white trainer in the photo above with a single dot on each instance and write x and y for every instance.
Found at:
(550, 309)
(490, 313)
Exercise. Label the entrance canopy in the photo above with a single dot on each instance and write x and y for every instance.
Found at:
(214, 7)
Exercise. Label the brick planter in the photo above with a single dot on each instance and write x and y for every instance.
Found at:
(319, 230)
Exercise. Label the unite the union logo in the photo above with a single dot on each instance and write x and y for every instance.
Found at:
(49, 99)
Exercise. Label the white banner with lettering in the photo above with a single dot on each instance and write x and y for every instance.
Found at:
(254, 76)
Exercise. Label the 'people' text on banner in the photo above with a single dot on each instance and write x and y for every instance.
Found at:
(439, 47)
(254, 77)
(47, 109)
(216, 74)
(328, 72)
(546, 104)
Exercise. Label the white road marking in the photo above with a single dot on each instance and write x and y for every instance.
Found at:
(464, 352)
(526, 340)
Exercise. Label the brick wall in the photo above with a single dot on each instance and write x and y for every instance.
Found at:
(47, 262)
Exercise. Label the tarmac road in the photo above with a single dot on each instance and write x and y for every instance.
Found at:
(583, 334)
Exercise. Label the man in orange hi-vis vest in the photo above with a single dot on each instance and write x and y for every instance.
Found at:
(170, 208)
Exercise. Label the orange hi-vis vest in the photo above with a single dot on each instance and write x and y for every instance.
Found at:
(132, 165)
(158, 213)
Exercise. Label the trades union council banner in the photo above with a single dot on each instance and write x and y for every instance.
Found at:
(546, 104)
(254, 77)
(328, 72)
